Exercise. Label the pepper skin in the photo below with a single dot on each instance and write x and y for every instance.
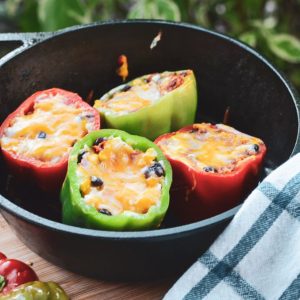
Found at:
(77, 212)
(198, 195)
(36, 290)
(172, 111)
(14, 273)
(48, 176)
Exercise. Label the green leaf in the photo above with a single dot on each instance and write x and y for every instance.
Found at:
(201, 15)
(57, 14)
(249, 38)
(253, 8)
(28, 20)
(12, 7)
(270, 22)
(285, 46)
(155, 9)
(105, 10)
(2, 283)
(295, 77)
(184, 7)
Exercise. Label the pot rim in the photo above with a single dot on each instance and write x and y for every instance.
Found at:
(34, 219)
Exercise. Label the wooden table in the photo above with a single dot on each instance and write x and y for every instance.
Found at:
(76, 286)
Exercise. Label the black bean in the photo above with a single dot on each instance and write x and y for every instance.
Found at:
(156, 168)
(96, 181)
(105, 211)
(79, 157)
(184, 73)
(209, 169)
(98, 141)
(126, 88)
(88, 116)
(42, 135)
(147, 173)
(255, 147)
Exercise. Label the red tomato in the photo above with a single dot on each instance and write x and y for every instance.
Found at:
(14, 273)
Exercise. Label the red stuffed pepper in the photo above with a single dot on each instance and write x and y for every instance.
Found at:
(214, 166)
(14, 273)
(37, 137)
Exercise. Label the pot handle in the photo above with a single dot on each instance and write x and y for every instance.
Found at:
(13, 43)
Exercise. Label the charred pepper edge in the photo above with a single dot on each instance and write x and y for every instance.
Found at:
(127, 219)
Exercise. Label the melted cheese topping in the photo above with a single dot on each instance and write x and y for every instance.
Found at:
(211, 148)
(141, 92)
(48, 132)
(121, 182)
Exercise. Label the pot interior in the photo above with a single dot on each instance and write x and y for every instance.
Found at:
(85, 59)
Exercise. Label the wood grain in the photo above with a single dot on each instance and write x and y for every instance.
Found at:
(78, 287)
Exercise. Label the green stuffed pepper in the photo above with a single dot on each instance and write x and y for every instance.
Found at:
(36, 290)
(152, 104)
(116, 181)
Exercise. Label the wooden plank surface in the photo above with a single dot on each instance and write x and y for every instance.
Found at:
(76, 286)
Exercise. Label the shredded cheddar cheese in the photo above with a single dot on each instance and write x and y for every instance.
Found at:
(48, 132)
(115, 179)
(211, 148)
(141, 92)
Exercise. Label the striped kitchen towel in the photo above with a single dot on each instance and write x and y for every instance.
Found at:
(258, 254)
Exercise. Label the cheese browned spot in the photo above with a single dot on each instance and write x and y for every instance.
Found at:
(142, 92)
(48, 132)
(114, 177)
(211, 148)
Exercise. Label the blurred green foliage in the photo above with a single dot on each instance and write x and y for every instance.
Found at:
(270, 26)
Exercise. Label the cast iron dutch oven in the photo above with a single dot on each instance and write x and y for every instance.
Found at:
(81, 59)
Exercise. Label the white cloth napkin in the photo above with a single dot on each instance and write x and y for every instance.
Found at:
(258, 254)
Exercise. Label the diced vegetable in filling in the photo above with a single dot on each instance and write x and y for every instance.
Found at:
(114, 177)
(211, 148)
(48, 131)
(139, 93)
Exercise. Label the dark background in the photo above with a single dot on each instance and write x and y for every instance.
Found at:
(270, 26)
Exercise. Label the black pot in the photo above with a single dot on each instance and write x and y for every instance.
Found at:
(81, 59)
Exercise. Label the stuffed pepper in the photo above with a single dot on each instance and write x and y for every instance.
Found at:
(37, 137)
(215, 167)
(116, 181)
(152, 104)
